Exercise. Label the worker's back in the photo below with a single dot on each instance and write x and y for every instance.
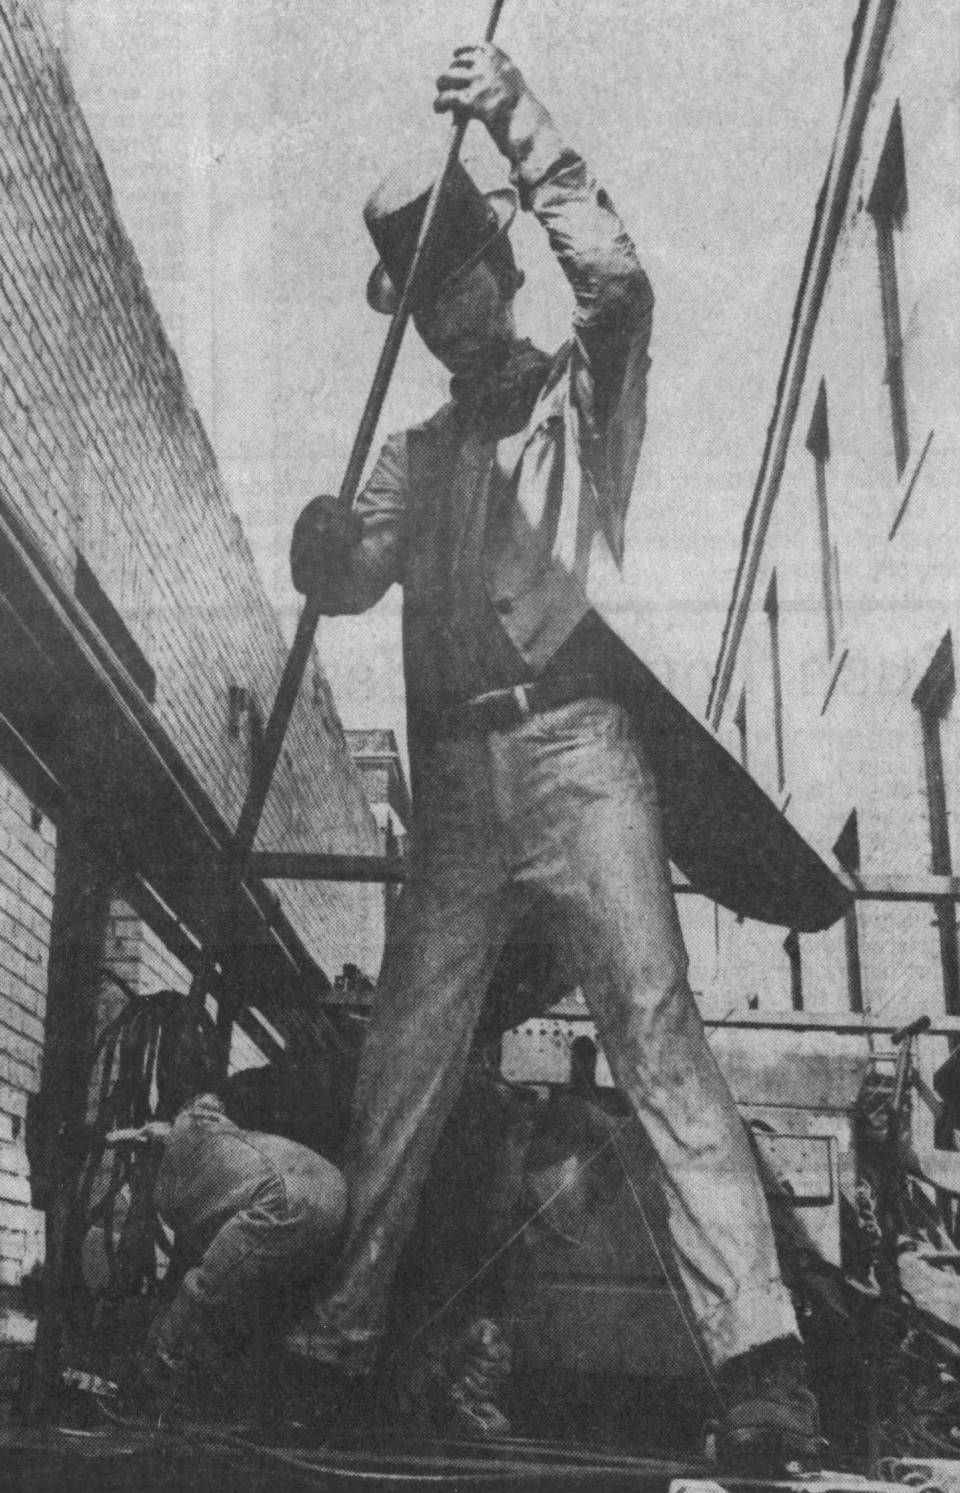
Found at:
(213, 1170)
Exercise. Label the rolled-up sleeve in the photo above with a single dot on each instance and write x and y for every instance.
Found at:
(613, 315)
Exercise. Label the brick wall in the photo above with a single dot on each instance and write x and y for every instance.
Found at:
(26, 898)
(102, 452)
(137, 955)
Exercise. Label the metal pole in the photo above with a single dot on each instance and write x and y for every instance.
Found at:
(265, 761)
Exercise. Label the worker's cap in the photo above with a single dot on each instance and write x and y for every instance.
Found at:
(472, 227)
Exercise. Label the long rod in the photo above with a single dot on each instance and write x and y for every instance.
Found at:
(266, 758)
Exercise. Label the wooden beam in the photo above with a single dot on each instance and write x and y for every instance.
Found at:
(835, 1023)
(838, 1023)
(295, 865)
(322, 865)
(918, 887)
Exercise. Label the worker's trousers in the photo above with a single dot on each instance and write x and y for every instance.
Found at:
(562, 806)
(253, 1262)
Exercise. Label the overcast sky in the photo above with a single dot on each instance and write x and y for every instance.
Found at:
(242, 137)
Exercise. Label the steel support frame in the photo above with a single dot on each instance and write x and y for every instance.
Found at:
(298, 865)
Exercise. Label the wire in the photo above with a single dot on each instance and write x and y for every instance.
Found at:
(674, 1291)
(502, 1248)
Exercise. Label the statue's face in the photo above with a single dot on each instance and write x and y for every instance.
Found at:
(470, 325)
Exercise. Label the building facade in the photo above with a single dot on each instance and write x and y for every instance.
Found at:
(139, 657)
(835, 678)
(377, 757)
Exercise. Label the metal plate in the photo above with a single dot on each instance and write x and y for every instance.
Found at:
(797, 1168)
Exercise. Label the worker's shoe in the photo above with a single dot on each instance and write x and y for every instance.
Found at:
(147, 1393)
(771, 1419)
(192, 1382)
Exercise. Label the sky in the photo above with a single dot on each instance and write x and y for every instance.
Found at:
(242, 137)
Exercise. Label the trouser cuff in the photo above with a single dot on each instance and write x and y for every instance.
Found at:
(755, 1316)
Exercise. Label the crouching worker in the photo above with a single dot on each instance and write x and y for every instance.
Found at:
(254, 1216)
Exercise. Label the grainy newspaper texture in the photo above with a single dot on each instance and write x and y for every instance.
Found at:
(479, 972)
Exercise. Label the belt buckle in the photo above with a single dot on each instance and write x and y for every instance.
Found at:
(510, 706)
(521, 694)
(495, 710)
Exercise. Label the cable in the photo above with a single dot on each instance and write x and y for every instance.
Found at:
(370, 1468)
(464, 1466)
(138, 1081)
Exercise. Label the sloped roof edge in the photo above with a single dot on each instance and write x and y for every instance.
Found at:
(870, 30)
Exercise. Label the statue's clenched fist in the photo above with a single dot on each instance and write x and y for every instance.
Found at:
(323, 537)
(481, 83)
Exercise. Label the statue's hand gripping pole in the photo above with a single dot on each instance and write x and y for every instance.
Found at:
(268, 753)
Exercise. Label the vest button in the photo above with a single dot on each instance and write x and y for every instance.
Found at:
(504, 606)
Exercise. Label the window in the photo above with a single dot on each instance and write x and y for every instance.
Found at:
(847, 851)
(740, 721)
(818, 444)
(791, 946)
(772, 608)
(257, 730)
(888, 206)
(238, 701)
(933, 698)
